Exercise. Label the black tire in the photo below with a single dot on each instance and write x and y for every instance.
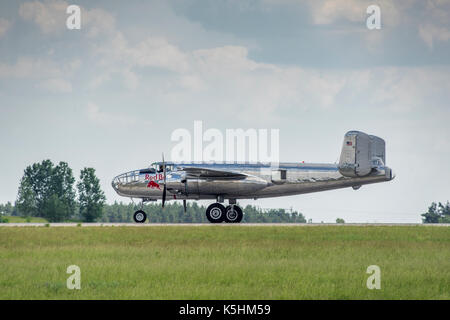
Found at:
(139, 216)
(233, 214)
(215, 213)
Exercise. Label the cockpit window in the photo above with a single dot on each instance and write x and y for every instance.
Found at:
(149, 170)
(159, 168)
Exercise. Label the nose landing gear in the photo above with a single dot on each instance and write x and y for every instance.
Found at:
(217, 213)
(139, 216)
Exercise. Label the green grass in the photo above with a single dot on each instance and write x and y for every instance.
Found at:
(225, 262)
(16, 219)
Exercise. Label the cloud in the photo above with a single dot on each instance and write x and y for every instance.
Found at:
(100, 117)
(30, 68)
(433, 17)
(326, 12)
(47, 74)
(436, 26)
(430, 33)
(117, 56)
(56, 85)
(330, 11)
(4, 26)
(227, 78)
(151, 52)
(97, 21)
(50, 16)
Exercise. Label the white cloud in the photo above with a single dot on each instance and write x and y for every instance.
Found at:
(150, 52)
(324, 12)
(430, 33)
(97, 21)
(117, 56)
(30, 68)
(226, 78)
(4, 26)
(56, 85)
(433, 26)
(436, 25)
(47, 74)
(100, 117)
(131, 80)
(50, 16)
(329, 11)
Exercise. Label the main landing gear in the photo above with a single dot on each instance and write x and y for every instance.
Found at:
(217, 213)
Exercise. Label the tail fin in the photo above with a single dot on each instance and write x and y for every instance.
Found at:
(361, 153)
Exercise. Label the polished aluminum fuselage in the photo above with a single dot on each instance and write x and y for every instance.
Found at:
(261, 181)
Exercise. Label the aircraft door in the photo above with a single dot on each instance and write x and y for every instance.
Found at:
(279, 175)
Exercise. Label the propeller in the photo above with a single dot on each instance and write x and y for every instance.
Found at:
(164, 189)
(184, 205)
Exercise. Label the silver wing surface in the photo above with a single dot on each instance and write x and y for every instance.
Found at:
(203, 173)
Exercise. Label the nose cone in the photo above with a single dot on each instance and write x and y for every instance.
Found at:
(120, 182)
(115, 183)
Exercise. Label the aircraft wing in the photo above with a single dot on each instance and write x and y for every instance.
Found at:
(211, 173)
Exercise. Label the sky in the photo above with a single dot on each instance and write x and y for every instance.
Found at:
(110, 95)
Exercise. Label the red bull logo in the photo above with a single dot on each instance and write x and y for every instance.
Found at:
(159, 176)
(152, 184)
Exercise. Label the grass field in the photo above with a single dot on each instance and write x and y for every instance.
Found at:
(17, 219)
(225, 262)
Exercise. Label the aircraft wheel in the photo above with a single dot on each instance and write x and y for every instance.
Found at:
(139, 216)
(233, 214)
(215, 213)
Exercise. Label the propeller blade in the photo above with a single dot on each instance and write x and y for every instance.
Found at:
(164, 196)
(184, 205)
(164, 174)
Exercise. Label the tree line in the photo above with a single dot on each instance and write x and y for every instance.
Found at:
(47, 190)
(173, 212)
(437, 213)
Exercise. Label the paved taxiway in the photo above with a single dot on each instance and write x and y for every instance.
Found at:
(97, 224)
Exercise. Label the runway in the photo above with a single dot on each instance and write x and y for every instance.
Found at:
(98, 224)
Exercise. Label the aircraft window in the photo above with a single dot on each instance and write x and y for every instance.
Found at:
(149, 170)
(161, 169)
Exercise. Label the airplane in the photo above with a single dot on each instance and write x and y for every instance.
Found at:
(362, 161)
